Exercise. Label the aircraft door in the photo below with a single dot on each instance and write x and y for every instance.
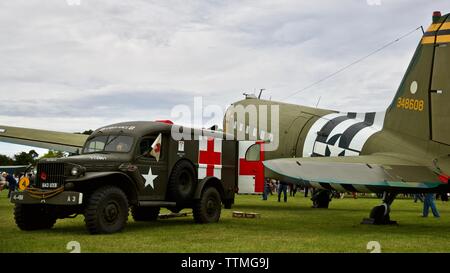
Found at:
(440, 95)
(294, 134)
(251, 169)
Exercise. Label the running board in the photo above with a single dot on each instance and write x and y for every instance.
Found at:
(157, 204)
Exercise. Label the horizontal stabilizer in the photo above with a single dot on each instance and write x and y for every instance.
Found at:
(356, 173)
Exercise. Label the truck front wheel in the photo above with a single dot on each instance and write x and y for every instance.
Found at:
(207, 209)
(106, 211)
(33, 217)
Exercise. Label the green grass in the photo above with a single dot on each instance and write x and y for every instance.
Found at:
(282, 227)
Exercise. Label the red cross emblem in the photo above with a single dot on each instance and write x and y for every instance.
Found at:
(210, 158)
(254, 168)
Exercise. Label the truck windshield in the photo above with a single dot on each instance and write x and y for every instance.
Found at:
(111, 143)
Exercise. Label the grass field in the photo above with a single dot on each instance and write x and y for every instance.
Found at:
(282, 227)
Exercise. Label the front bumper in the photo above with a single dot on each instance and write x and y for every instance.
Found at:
(67, 198)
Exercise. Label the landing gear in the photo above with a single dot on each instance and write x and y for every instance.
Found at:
(380, 214)
(321, 198)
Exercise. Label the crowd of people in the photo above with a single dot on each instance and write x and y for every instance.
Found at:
(280, 187)
(272, 186)
(9, 181)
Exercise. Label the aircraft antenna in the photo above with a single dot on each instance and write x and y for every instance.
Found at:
(260, 92)
(353, 63)
(317, 104)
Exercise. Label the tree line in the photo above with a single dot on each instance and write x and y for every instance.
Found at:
(25, 158)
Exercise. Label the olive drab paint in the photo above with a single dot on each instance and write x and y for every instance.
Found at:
(409, 143)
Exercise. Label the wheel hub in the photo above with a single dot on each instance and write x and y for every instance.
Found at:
(111, 212)
(210, 206)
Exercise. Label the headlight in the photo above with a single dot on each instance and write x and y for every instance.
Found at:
(75, 171)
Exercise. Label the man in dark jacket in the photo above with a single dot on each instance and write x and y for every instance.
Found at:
(12, 183)
(282, 188)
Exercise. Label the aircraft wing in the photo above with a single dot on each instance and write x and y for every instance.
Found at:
(60, 141)
(368, 173)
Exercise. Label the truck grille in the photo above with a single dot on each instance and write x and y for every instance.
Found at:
(50, 175)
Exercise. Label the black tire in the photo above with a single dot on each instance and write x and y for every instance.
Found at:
(33, 217)
(379, 215)
(144, 213)
(207, 209)
(182, 183)
(106, 211)
(321, 199)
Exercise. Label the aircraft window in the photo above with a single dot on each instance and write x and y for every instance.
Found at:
(253, 153)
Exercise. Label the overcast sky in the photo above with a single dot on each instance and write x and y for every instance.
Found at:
(70, 67)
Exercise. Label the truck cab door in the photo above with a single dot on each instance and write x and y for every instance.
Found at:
(155, 172)
(251, 169)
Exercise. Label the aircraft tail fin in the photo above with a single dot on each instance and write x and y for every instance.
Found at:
(421, 107)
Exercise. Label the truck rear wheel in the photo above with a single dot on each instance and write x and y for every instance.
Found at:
(33, 217)
(182, 182)
(106, 211)
(144, 213)
(207, 209)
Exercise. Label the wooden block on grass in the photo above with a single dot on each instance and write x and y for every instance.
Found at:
(240, 214)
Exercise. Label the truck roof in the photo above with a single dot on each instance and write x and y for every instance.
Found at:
(142, 128)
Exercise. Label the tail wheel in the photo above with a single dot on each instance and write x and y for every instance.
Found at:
(145, 213)
(380, 215)
(208, 208)
(106, 211)
(33, 217)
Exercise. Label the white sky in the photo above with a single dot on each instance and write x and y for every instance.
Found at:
(77, 67)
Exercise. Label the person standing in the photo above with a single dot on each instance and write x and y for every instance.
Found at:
(282, 188)
(418, 196)
(266, 188)
(12, 182)
(429, 203)
(2, 182)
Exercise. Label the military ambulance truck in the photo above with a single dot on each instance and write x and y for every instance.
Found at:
(133, 165)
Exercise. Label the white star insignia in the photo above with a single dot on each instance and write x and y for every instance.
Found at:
(149, 178)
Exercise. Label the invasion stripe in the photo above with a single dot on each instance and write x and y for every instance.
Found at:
(349, 187)
(328, 127)
(338, 187)
(350, 133)
(326, 186)
(351, 115)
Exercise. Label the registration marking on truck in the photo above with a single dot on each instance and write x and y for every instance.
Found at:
(49, 185)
